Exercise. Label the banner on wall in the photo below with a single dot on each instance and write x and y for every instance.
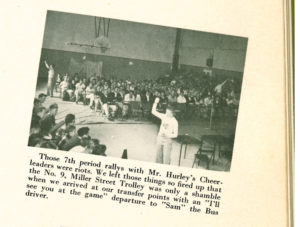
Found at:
(85, 67)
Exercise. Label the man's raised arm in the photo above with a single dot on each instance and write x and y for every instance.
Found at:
(46, 64)
(154, 111)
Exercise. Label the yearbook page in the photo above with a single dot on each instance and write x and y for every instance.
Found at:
(144, 113)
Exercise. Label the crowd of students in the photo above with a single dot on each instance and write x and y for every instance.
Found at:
(195, 95)
(45, 132)
(113, 97)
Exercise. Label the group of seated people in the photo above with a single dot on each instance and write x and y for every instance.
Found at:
(46, 133)
(113, 96)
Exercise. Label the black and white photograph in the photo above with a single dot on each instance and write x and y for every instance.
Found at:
(138, 91)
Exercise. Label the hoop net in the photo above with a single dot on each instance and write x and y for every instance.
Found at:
(102, 42)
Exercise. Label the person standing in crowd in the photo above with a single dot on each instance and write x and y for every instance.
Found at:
(51, 78)
(167, 131)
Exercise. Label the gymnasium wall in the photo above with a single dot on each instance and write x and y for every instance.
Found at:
(229, 52)
(149, 47)
(112, 66)
(128, 39)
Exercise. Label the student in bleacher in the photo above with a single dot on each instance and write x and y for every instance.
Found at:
(64, 86)
(70, 132)
(75, 140)
(181, 98)
(90, 94)
(80, 91)
(82, 147)
(42, 97)
(39, 114)
(48, 122)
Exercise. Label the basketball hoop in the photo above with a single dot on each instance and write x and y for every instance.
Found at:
(103, 43)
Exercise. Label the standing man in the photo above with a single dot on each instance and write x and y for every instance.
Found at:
(51, 78)
(167, 131)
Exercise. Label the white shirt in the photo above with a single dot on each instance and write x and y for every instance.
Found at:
(64, 85)
(78, 149)
(207, 101)
(127, 98)
(169, 125)
(148, 98)
(50, 74)
(181, 99)
(80, 87)
(138, 98)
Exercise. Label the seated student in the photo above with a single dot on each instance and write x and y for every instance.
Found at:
(110, 96)
(208, 100)
(69, 120)
(112, 107)
(198, 99)
(103, 103)
(172, 97)
(39, 114)
(48, 128)
(119, 99)
(75, 140)
(190, 98)
(118, 95)
(42, 97)
(36, 105)
(70, 132)
(58, 81)
(138, 96)
(181, 98)
(91, 146)
(99, 150)
(72, 84)
(90, 94)
(163, 98)
(47, 142)
(83, 147)
(64, 86)
(48, 122)
(129, 97)
(147, 97)
(80, 91)
(35, 127)
(97, 99)
(34, 140)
